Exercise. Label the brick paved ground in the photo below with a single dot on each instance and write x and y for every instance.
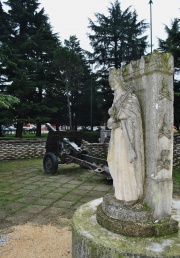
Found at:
(27, 194)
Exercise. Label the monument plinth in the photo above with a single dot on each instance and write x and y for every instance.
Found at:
(132, 219)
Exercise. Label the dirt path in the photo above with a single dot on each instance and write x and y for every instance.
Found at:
(33, 241)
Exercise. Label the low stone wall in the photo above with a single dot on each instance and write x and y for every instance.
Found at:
(21, 149)
(98, 150)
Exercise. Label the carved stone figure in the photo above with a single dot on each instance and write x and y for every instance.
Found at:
(126, 148)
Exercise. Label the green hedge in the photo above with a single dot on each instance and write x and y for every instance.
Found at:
(91, 136)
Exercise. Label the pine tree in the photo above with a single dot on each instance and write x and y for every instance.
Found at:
(75, 76)
(28, 61)
(118, 37)
(172, 45)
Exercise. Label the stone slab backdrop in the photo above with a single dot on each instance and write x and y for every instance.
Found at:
(152, 79)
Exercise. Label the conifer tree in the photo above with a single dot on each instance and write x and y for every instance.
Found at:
(75, 77)
(27, 57)
(172, 45)
(116, 39)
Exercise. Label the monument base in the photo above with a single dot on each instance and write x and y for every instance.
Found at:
(90, 240)
(132, 219)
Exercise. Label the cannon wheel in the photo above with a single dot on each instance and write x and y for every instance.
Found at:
(50, 163)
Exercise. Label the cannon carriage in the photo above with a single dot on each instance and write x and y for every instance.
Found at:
(65, 147)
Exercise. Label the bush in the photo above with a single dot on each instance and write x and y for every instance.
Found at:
(91, 136)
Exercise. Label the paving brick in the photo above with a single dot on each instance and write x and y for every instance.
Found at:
(71, 197)
(33, 208)
(44, 201)
(54, 195)
(30, 187)
(14, 206)
(85, 187)
(61, 203)
(19, 218)
(62, 190)
(3, 213)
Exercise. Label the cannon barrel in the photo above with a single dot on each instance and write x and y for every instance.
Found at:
(50, 128)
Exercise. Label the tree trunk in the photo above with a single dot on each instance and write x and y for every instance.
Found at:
(69, 106)
(1, 134)
(19, 130)
(57, 127)
(38, 130)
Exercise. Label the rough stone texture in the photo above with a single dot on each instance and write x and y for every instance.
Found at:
(98, 150)
(90, 240)
(126, 147)
(21, 149)
(132, 219)
(135, 228)
(152, 79)
(123, 211)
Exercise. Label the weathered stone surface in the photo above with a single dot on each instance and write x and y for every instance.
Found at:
(126, 147)
(152, 79)
(21, 149)
(135, 228)
(90, 240)
(136, 212)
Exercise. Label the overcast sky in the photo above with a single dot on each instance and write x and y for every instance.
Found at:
(70, 17)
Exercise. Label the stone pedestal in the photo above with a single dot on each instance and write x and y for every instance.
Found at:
(132, 219)
(90, 240)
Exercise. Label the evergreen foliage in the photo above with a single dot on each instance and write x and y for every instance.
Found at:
(116, 39)
(172, 45)
(75, 77)
(27, 57)
(6, 101)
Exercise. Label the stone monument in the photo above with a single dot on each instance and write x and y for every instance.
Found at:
(137, 217)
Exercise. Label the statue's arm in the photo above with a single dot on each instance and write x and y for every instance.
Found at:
(112, 123)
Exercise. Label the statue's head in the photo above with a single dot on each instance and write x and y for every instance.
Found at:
(116, 79)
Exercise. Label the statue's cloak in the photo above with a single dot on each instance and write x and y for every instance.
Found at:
(126, 149)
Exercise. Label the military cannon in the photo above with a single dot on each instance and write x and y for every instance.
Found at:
(64, 147)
